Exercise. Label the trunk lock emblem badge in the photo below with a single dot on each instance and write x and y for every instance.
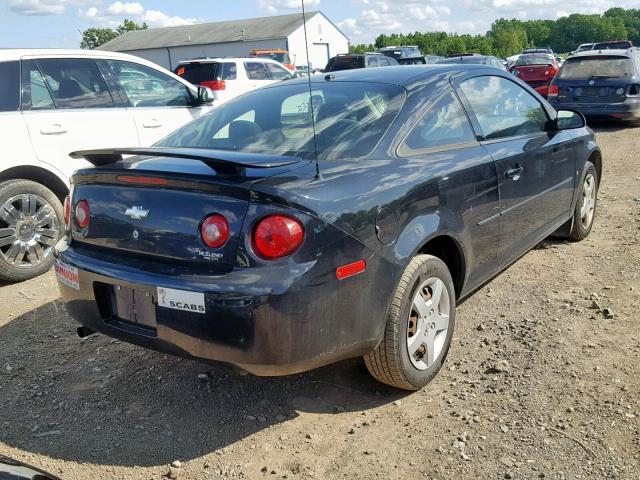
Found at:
(136, 234)
(592, 82)
(136, 213)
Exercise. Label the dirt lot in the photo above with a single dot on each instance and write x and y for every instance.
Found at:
(563, 405)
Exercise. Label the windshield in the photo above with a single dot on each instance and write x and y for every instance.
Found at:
(613, 45)
(534, 60)
(350, 118)
(197, 73)
(584, 68)
(347, 62)
(278, 57)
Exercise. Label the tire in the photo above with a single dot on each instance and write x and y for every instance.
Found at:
(390, 362)
(577, 228)
(28, 229)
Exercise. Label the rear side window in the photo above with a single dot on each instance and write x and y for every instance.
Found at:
(229, 71)
(36, 94)
(277, 72)
(503, 108)
(445, 123)
(75, 83)
(585, 68)
(197, 72)
(9, 86)
(257, 71)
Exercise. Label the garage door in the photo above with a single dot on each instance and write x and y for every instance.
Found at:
(319, 55)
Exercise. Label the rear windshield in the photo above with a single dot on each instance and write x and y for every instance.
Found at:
(534, 60)
(348, 62)
(350, 118)
(613, 45)
(197, 73)
(467, 59)
(585, 68)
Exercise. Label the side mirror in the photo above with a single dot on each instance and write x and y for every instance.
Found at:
(569, 119)
(205, 95)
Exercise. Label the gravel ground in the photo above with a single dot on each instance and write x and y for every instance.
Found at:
(542, 381)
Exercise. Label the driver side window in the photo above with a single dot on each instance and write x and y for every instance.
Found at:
(146, 87)
(503, 108)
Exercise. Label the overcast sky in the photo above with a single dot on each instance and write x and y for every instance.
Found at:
(56, 23)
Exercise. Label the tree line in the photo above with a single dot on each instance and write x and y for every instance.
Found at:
(510, 36)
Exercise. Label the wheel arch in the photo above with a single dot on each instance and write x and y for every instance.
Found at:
(449, 250)
(38, 175)
(596, 159)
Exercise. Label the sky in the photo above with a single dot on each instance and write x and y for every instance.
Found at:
(58, 23)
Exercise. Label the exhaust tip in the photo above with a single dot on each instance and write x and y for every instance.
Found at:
(84, 332)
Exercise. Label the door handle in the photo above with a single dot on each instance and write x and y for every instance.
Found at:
(514, 173)
(152, 124)
(53, 129)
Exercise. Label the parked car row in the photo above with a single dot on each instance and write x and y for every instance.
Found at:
(297, 224)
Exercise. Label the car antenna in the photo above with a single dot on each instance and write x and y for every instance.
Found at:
(313, 120)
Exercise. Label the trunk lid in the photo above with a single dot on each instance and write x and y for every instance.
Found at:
(535, 73)
(592, 91)
(153, 207)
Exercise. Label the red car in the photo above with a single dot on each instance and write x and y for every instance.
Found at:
(537, 70)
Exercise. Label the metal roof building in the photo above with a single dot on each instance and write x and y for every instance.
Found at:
(167, 46)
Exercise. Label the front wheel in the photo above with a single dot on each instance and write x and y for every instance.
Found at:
(31, 222)
(580, 224)
(419, 326)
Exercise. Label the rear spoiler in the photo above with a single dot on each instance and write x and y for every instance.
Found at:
(222, 161)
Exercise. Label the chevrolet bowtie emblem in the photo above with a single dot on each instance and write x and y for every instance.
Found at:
(136, 213)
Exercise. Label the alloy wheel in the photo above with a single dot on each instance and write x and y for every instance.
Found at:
(28, 230)
(428, 323)
(588, 200)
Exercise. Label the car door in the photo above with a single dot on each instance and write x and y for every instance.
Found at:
(67, 106)
(158, 102)
(444, 151)
(257, 74)
(535, 164)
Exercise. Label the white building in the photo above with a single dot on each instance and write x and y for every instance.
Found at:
(236, 38)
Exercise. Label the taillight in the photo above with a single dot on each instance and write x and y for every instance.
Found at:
(82, 214)
(67, 212)
(553, 91)
(215, 230)
(215, 84)
(277, 236)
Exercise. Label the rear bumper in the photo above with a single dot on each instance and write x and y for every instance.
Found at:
(269, 321)
(628, 110)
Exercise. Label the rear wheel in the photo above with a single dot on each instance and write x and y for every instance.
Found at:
(419, 326)
(31, 222)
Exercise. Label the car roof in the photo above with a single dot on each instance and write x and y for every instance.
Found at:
(227, 59)
(622, 52)
(18, 53)
(402, 75)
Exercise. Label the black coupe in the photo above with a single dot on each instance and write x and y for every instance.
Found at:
(302, 224)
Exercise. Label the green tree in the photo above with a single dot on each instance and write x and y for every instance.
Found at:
(94, 37)
(508, 37)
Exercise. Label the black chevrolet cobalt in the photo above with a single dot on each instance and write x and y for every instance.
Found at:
(302, 224)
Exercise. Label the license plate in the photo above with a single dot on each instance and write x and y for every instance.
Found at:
(181, 300)
(134, 306)
(67, 274)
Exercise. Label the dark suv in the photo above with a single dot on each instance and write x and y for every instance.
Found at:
(350, 61)
(599, 84)
(407, 55)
